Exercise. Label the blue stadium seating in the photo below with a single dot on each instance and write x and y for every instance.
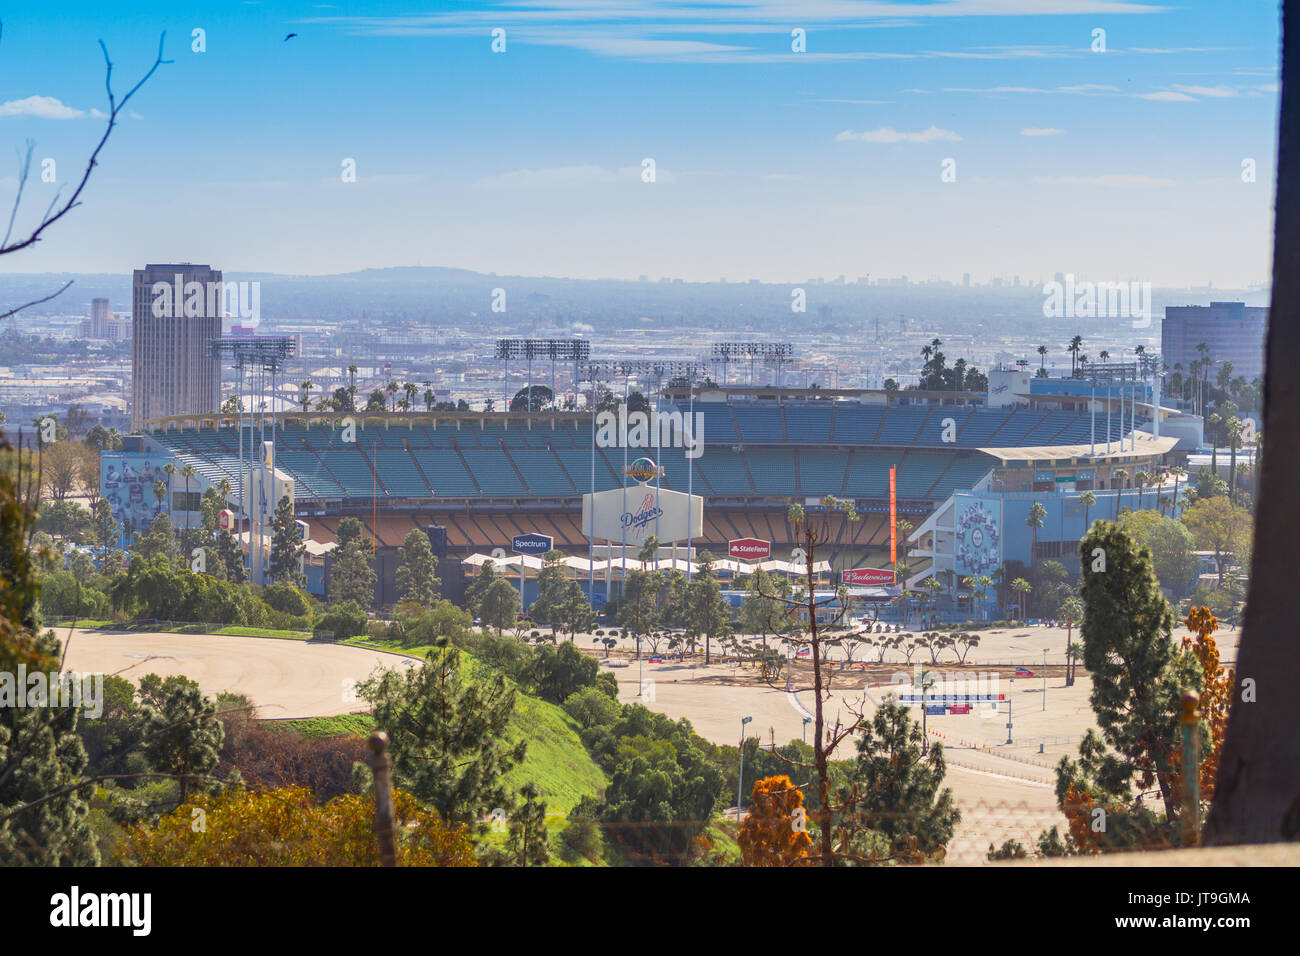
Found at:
(445, 472)
(399, 475)
(542, 472)
(493, 472)
(821, 471)
(772, 470)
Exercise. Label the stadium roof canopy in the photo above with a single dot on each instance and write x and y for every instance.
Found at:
(632, 564)
(1145, 447)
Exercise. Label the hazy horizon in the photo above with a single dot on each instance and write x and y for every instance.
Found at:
(769, 163)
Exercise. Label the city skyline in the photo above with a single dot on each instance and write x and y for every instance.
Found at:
(769, 164)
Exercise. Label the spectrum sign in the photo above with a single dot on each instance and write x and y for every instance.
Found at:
(749, 549)
(869, 576)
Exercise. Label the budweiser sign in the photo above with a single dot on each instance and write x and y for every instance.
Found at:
(749, 549)
(869, 576)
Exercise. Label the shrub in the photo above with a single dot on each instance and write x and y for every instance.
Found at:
(286, 599)
(341, 622)
(592, 707)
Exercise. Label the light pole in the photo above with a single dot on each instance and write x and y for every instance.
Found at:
(806, 722)
(926, 683)
(740, 782)
(1045, 678)
(1008, 720)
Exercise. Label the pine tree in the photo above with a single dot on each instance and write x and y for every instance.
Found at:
(40, 750)
(528, 843)
(1138, 679)
(447, 735)
(351, 576)
(551, 590)
(478, 587)
(894, 807)
(638, 612)
(499, 606)
(417, 576)
(708, 615)
(183, 736)
(576, 614)
(287, 547)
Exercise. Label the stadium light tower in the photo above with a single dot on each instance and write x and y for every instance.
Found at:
(556, 350)
(768, 352)
(258, 361)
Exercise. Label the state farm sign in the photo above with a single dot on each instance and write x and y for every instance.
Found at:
(869, 576)
(749, 549)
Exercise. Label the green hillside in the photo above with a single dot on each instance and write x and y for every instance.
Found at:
(555, 761)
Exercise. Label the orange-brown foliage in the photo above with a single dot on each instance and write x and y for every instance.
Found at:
(287, 827)
(774, 832)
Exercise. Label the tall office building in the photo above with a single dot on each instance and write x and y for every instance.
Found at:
(175, 313)
(1233, 331)
(99, 318)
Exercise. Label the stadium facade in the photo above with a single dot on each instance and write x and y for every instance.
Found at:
(488, 477)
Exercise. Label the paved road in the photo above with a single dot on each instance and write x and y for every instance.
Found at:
(283, 678)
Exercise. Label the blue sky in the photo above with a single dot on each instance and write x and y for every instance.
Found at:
(771, 164)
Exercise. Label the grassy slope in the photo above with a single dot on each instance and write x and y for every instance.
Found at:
(556, 760)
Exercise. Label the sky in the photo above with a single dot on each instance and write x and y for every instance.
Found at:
(927, 139)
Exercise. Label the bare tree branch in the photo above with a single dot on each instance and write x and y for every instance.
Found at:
(56, 210)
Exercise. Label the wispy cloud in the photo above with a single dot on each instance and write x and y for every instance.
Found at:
(568, 177)
(1166, 96)
(1113, 181)
(1042, 131)
(647, 30)
(1213, 92)
(887, 134)
(1078, 89)
(44, 107)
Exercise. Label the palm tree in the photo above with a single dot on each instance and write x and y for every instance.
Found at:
(1234, 429)
(169, 470)
(1037, 514)
(159, 492)
(1117, 479)
(1022, 587)
(410, 388)
(1140, 479)
(187, 473)
(392, 389)
(931, 588)
(428, 399)
(1165, 502)
(1071, 613)
(306, 387)
(1073, 348)
(1087, 499)
(1104, 356)
(1042, 360)
(1178, 472)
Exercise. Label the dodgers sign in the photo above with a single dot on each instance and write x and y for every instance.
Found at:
(633, 514)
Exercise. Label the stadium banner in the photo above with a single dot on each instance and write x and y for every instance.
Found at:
(868, 576)
(532, 543)
(638, 513)
(977, 534)
(749, 549)
(893, 516)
